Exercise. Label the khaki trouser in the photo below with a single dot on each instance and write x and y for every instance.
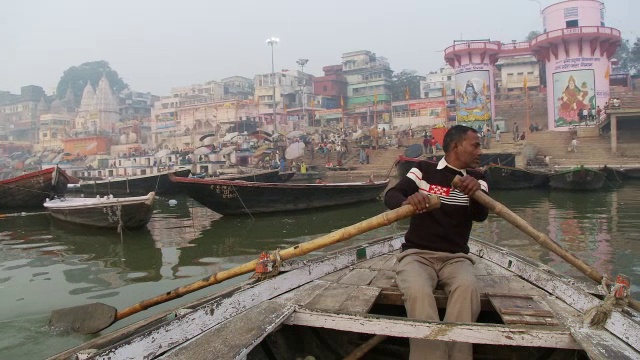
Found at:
(417, 274)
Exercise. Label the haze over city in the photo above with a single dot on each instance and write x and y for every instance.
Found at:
(155, 45)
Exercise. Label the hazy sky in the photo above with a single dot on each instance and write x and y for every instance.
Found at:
(157, 44)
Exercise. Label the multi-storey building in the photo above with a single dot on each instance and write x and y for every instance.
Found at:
(332, 87)
(292, 89)
(19, 114)
(439, 83)
(512, 72)
(238, 87)
(369, 91)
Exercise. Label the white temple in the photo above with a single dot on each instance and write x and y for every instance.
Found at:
(99, 110)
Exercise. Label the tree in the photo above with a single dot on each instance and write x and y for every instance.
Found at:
(532, 35)
(76, 78)
(628, 56)
(403, 79)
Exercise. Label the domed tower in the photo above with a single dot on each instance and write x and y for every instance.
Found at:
(473, 62)
(107, 105)
(576, 48)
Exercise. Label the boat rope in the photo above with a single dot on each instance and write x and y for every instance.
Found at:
(127, 180)
(120, 223)
(242, 202)
(157, 183)
(267, 268)
(618, 297)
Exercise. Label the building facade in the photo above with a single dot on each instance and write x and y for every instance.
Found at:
(513, 71)
(20, 114)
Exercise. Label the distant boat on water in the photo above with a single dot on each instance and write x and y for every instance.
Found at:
(508, 177)
(30, 190)
(579, 178)
(240, 197)
(133, 185)
(105, 212)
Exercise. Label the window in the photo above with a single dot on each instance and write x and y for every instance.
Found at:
(449, 78)
(572, 23)
(324, 88)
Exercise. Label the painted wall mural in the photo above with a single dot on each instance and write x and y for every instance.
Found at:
(473, 96)
(575, 91)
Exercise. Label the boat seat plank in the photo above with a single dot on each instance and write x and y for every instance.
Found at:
(361, 299)
(343, 297)
(391, 263)
(336, 275)
(359, 277)
(332, 297)
(236, 337)
(486, 267)
(492, 284)
(374, 263)
(385, 279)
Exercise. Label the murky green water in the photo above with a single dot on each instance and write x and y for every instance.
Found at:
(46, 265)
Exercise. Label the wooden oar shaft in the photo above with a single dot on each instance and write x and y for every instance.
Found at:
(542, 239)
(335, 237)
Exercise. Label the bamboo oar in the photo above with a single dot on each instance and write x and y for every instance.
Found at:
(2, 216)
(542, 239)
(92, 318)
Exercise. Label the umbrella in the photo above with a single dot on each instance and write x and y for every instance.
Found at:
(209, 141)
(206, 136)
(276, 136)
(58, 158)
(294, 150)
(259, 151)
(413, 151)
(262, 136)
(230, 136)
(260, 132)
(162, 153)
(202, 150)
(15, 155)
(357, 135)
(227, 150)
(30, 160)
(294, 134)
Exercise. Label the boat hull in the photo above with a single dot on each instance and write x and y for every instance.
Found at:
(577, 179)
(32, 189)
(404, 164)
(237, 198)
(131, 212)
(133, 186)
(506, 177)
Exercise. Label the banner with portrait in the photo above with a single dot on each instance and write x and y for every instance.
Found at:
(473, 96)
(574, 92)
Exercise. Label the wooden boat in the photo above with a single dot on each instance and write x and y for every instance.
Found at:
(613, 175)
(579, 178)
(32, 189)
(133, 185)
(404, 164)
(239, 197)
(632, 172)
(106, 212)
(507, 177)
(347, 303)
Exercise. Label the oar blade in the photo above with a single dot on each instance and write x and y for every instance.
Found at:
(84, 319)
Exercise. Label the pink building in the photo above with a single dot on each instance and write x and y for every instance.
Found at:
(576, 48)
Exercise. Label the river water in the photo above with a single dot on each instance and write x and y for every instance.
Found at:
(47, 265)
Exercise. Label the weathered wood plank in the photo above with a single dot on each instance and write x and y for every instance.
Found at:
(394, 297)
(361, 299)
(561, 286)
(390, 264)
(522, 310)
(374, 263)
(515, 335)
(158, 340)
(385, 279)
(359, 277)
(332, 297)
(235, 338)
(336, 275)
(598, 344)
(501, 284)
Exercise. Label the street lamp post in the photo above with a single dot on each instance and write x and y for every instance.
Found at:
(272, 41)
(302, 63)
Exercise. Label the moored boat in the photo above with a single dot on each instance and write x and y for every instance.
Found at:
(139, 185)
(404, 164)
(507, 177)
(632, 172)
(239, 197)
(579, 178)
(106, 212)
(30, 190)
(347, 303)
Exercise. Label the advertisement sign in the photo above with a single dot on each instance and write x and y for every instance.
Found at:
(427, 105)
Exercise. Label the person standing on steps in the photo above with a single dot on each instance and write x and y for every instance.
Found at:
(436, 249)
(574, 145)
(515, 132)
